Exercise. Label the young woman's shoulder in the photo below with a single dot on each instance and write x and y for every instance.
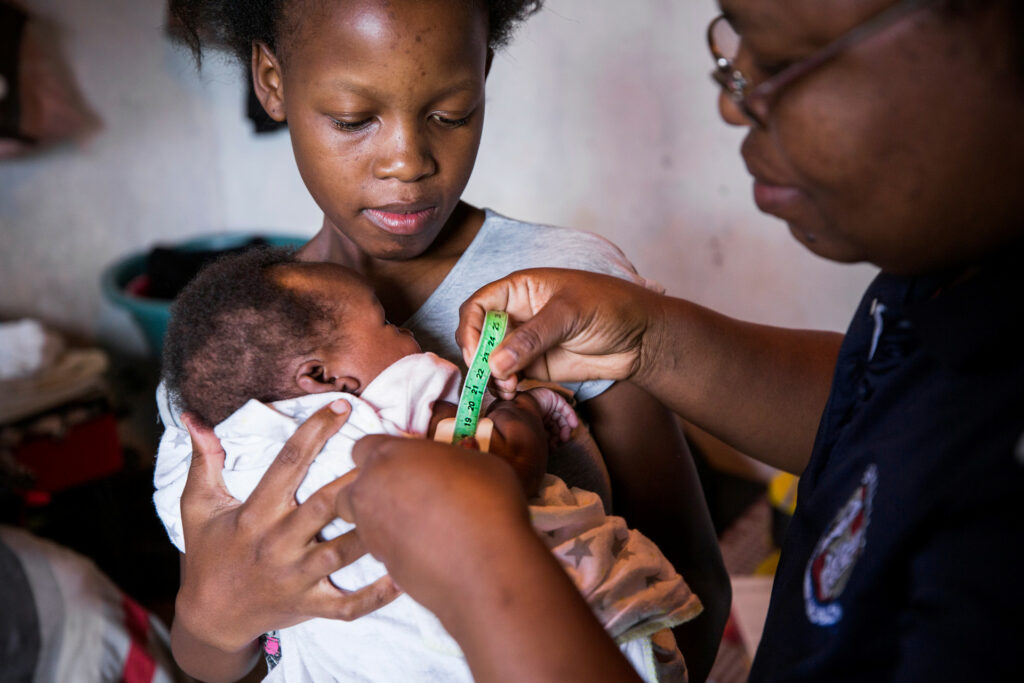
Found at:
(518, 245)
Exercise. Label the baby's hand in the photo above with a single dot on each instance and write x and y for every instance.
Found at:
(559, 417)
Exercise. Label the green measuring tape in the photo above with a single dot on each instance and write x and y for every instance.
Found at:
(468, 414)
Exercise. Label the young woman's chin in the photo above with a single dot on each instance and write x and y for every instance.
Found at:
(390, 247)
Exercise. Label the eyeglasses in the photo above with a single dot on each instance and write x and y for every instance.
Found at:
(755, 101)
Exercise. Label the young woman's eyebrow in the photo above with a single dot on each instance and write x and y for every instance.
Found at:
(460, 86)
(372, 92)
(354, 87)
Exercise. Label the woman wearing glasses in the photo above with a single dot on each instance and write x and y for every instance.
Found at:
(879, 131)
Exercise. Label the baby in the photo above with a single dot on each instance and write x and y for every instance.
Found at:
(259, 341)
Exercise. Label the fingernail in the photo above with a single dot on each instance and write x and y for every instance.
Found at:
(340, 407)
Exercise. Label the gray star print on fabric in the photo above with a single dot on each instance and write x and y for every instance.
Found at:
(301, 412)
(179, 439)
(619, 548)
(580, 549)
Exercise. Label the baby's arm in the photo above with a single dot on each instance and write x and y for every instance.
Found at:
(442, 410)
(518, 435)
(524, 429)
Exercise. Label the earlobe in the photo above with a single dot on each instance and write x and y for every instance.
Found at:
(349, 385)
(266, 80)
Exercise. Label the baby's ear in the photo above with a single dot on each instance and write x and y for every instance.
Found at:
(312, 378)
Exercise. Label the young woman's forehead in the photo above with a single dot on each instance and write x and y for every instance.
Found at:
(408, 39)
(379, 19)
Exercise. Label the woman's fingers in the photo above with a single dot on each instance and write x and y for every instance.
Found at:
(472, 315)
(345, 512)
(541, 321)
(327, 557)
(289, 468)
(334, 604)
(510, 294)
(567, 325)
(318, 510)
(527, 344)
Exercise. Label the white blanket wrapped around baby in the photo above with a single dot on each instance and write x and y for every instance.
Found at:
(631, 587)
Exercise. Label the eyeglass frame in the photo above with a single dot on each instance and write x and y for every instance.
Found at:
(750, 98)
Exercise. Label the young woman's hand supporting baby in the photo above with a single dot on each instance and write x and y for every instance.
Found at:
(278, 569)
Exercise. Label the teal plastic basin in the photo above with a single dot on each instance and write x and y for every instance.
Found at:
(151, 315)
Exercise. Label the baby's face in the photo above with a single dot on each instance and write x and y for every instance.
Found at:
(362, 342)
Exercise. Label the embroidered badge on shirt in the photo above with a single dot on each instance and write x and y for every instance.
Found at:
(837, 552)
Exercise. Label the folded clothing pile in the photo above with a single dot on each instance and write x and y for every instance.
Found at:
(57, 428)
(38, 372)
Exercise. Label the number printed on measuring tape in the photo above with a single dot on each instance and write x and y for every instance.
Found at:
(468, 415)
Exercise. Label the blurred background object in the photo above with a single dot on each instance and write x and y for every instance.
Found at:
(62, 619)
(145, 283)
(40, 104)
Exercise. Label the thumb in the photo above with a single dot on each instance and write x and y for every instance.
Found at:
(343, 499)
(365, 452)
(527, 343)
(205, 473)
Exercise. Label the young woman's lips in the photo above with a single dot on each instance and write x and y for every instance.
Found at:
(400, 220)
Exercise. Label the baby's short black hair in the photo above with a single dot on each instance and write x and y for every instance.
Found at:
(237, 24)
(233, 329)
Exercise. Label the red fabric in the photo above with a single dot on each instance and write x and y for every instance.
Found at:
(90, 450)
(139, 665)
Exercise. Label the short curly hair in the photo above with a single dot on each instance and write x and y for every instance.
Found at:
(232, 330)
(237, 25)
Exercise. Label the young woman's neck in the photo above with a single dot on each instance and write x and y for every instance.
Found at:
(401, 285)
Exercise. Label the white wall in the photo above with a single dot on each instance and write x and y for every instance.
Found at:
(601, 115)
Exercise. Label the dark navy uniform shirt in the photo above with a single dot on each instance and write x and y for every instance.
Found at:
(903, 561)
